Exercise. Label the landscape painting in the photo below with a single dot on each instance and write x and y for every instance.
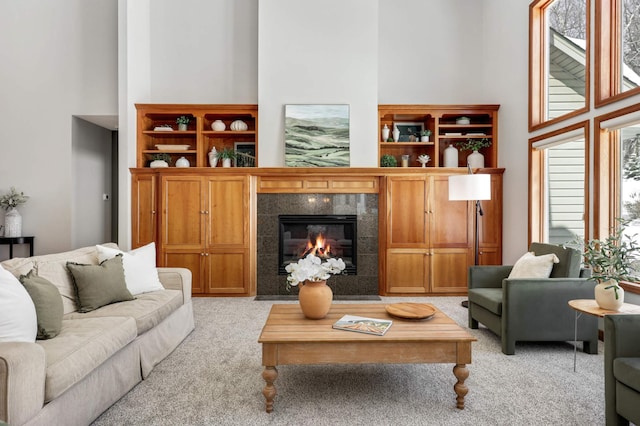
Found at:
(316, 136)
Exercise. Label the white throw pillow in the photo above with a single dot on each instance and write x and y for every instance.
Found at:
(140, 273)
(532, 266)
(18, 321)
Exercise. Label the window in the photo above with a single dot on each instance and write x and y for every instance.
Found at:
(619, 178)
(617, 50)
(558, 176)
(558, 60)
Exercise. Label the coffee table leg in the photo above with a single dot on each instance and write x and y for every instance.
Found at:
(461, 372)
(269, 375)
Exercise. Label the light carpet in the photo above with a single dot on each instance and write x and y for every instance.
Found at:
(214, 378)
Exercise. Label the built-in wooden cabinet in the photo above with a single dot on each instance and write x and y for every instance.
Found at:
(428, 241)
(157, 133)
(205, 227)
(444, 123)
(143, 208)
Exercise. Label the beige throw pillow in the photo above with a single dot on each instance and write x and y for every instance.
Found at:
(532, 266)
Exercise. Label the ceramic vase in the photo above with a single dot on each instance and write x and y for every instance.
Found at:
(182, 162)
(218, 126)
(158, 163)
(12, 223)
(605, 295)
(182, 127)
(475, 160)
(451, 156)
(226, 162)
(424, 138)
(385, 133)
(396, 134)
(315, 299)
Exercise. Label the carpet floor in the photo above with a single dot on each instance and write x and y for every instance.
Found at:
(214, 378)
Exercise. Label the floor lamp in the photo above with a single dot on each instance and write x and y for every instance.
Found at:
(471, 187)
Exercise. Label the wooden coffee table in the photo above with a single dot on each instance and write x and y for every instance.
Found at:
(289, 338)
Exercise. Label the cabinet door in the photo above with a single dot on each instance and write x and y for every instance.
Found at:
(182, 212)
(227, 272)
(450, 222)
(194, 261)
(490, 225)
(406, 212)
(228, 211)
(143, 209)
(449, 269)
(407, 271)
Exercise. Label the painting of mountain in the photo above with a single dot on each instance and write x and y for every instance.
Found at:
(316, 135)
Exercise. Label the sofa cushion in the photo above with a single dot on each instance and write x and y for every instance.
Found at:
(18, 265)
(48, 303)
(140, 271)
(569, 258)
(532, 266)
(488, 298)
(148, 309)
(82, 346)
(18, 321)
(99, 285)
(627, 371)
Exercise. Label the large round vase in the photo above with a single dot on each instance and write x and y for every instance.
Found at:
(605, 295)
(315, 299)
(475, 160)
(12, 223)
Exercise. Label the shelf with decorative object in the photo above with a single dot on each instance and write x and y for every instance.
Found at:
(449, 125)
(231, 126)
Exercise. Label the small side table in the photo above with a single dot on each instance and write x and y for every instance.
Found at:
(590, 306)
(11, 241)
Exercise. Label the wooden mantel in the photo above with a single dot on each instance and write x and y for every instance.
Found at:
(343, 180)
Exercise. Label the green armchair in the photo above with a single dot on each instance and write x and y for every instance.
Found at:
(533, 309)
(622, 369)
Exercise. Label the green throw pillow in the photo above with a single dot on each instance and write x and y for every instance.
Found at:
(99, 285)
(48, 302)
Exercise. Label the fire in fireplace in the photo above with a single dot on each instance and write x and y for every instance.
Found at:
(325, 236)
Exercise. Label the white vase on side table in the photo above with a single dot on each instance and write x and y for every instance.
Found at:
(605, 295)
(13, 223)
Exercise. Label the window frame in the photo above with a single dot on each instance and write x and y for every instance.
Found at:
(608, 52)
(606, 178)
(538, 69)
(537, 181)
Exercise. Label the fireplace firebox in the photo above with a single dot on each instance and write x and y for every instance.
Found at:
(326, 236)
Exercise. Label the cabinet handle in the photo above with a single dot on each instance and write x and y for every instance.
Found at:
(206, 212)
(201, 254)
(206, 254)
(153, 212)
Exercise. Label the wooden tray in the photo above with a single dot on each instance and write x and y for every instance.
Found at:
(410, 310)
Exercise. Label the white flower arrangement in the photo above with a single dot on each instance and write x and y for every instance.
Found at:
(13, 199)
(311, 268)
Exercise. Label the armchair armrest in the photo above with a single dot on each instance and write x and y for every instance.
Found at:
(177, 279)
(488, 276)
(22, 381)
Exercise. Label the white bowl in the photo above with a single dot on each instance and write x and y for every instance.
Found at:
(463, 120)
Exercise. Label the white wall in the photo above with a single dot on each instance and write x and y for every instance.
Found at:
(58, 60)
(318, 53)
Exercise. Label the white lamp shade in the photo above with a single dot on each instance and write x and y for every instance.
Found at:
(469, 187)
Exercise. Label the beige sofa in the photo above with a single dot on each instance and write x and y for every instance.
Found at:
(98, 356)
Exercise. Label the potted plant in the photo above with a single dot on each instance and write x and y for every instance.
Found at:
(160, 160)
(12, 218)
(227, 154)
(182, 121)
(475, 159)
(424, 135)
(611, 260)
(388, 161)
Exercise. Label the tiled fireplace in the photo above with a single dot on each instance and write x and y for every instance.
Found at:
(300, 219)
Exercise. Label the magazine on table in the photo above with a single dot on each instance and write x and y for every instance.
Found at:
(363, 324)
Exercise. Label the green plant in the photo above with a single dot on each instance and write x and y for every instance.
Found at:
(426, 132)
(183, 119)
(13, 199)
(388, 161)
(473, 144)
(227, 153)
(162, 157)
(613, 258)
